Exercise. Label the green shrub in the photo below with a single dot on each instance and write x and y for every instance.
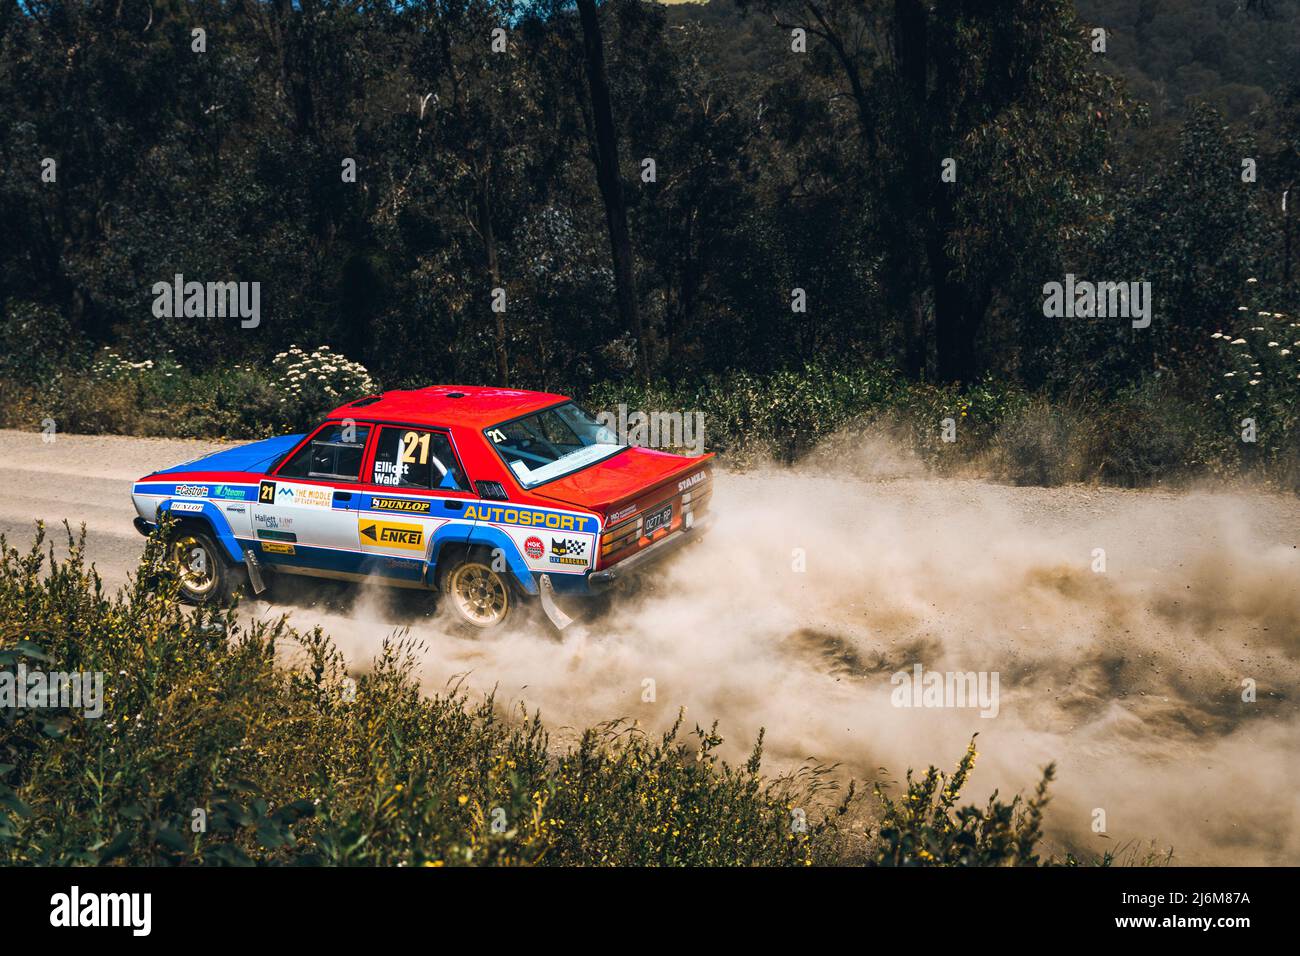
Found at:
(292, 766)
(1035, 445)
(925, 827)
(1146, 435)
(303, 765)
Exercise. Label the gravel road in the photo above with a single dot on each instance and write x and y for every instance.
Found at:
(816, 594)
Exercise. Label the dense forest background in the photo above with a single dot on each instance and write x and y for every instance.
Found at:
(523, 167)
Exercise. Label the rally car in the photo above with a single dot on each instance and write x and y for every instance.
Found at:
(491, 496)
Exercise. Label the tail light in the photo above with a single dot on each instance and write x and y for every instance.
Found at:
(695, 502)
(627, 533)
(620, 536)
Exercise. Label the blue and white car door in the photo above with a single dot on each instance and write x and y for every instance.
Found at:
(305, 515)
(415, 504)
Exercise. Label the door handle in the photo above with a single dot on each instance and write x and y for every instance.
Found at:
(452, 505)
(342, 496)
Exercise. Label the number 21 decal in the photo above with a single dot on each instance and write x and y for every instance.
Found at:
(410, 442)
(266, 492)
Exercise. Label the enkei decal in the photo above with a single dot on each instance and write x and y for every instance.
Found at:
(192, 491)
(186, 506)
(274, 547)
(389, 534)
(399, 504)
(534, 548)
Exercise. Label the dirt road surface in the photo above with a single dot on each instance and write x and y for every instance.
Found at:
(1164, 687)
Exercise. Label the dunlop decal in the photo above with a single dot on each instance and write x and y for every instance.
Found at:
(399, 504)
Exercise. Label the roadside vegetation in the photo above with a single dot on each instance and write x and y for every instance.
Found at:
(1163, 428)
(212, 750)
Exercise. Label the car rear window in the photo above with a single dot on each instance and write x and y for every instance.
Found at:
(335, 452)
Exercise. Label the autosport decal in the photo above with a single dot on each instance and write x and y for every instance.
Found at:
(399, 504)
(530, 517)
(392, 534)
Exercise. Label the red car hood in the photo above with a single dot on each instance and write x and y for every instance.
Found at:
(629, 474)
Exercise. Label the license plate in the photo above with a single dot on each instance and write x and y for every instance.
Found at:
(660, 519)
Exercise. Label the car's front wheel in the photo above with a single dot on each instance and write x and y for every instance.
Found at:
(205, 576)
(479, 596)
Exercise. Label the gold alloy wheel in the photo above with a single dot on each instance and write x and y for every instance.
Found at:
(481, 595)
(196, 566)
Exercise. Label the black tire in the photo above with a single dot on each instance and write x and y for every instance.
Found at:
(479, 598)
(206, 575)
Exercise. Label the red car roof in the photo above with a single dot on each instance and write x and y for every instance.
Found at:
(469, 406)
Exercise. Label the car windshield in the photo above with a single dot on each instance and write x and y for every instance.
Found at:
(551, 444)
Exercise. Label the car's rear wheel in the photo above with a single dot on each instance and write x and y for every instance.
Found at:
(479, 596)
(205, 576)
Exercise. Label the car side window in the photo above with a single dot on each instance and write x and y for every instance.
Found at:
(335, 453)
(417, 458)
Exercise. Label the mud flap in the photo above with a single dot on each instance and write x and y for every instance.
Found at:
(254, 571)
(547, 593)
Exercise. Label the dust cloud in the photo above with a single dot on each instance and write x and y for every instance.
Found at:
(812, 590)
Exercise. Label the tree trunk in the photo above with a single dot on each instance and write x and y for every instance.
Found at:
(611, 186)
(488, 234)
